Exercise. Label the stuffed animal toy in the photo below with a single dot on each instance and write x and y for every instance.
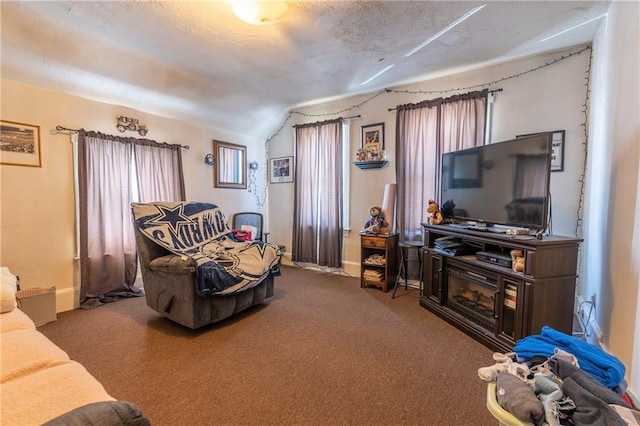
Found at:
(448, 209)
(517, 260)
(376, 223)
(435, 215)
(519, 267)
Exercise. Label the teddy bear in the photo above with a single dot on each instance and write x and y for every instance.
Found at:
(435, 215)
(376, 223)
(517, 260)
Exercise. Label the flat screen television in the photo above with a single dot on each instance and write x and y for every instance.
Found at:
(503, 183)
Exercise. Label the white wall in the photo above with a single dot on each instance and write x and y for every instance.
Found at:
(612, 265)
(547, 99)
(37, 213)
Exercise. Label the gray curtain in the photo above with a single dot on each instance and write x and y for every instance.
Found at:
(106, 167)
(425, 131)
(159, 171)
(317, 218)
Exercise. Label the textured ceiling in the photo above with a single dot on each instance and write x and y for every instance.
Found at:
(196, 62)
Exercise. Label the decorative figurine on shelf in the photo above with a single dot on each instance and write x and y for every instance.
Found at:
(435, 215)
(376, 223)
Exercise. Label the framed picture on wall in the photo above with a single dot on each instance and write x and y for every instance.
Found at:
(19, 144)
(281, 170)
(372, 134)
(372, 141)
(557, 148)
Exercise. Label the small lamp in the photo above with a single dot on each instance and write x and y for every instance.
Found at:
(208, 159)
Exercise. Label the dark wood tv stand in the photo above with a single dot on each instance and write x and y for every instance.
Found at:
(490, 302)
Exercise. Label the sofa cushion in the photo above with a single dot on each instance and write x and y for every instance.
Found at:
(8, 288)
(44, 394)
(26, 351)
(15, 320)
(107, 413)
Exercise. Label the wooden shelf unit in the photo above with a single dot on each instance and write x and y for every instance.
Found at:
(492, 303)
(385, 246)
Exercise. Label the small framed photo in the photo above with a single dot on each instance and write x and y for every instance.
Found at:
(557, 149)
(19, 144)
(281, 170)
(372, 137)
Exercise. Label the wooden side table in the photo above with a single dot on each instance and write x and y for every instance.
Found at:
(379, 260)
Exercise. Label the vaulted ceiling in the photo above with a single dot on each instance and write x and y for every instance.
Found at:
(195, 61)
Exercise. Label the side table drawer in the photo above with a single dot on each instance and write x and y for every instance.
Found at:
(374, 242)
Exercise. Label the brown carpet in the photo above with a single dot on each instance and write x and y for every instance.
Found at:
(322, 351)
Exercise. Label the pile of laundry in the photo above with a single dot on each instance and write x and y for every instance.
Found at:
(556, 379)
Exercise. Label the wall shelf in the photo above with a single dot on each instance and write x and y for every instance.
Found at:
(370, 164)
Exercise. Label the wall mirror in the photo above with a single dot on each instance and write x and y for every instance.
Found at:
(230, 165)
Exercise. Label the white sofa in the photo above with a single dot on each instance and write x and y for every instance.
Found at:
(41, 385)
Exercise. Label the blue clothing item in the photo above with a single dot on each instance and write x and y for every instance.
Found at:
(604, 367)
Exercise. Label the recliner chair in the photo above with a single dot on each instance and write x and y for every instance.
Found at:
(169, 286)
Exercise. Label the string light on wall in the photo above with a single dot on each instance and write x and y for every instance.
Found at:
(583, 178)
(304, 114)
(253, 166)
(252, 186)
(427, 92)
(520, 74)
(585, 127)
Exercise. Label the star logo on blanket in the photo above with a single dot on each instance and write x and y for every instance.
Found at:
(174, 217)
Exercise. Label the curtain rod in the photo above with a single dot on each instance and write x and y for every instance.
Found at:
(63, 129)
(327, 121)
(490, 91)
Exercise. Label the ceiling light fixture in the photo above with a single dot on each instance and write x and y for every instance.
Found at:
(378, 74)
(259, 12)
(445, 29)
(572, 28)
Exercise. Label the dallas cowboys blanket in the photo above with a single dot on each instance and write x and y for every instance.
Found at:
(200, 232)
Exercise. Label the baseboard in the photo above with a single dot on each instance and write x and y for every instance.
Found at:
(351, 268)
(67, 299)
(597, 340)
(585, 314)
(596, 337)
(634, 399)
(286, 259)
